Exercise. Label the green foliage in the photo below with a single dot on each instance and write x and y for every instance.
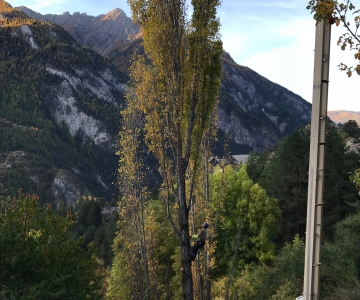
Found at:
(259, 282)
(90, 213)
(352, 129)
(39, 259)
(346, 294)
(166, 251)
(119, 284)
(346, 236)
(341, 257)
(339, 271)
(127, 276)
(92, 229)
(285, 177)
(247, 214)
(255, 165)
(176, 87)
(44, 153)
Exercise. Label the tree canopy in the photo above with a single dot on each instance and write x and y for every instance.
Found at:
(284, 175)
(38, 259)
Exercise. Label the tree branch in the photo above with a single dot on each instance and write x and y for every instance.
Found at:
(345, 25)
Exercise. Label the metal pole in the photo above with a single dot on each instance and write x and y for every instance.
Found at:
(316, 163)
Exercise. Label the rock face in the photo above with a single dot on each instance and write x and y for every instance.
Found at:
(102, 33)
(255, 112)
(59, 112)
(67, 188)
(64, 102)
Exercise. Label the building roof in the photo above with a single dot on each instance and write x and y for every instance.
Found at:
(235, 159)
(241, 158)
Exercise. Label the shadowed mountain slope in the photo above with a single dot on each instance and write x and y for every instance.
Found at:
(59, 110)
(254, 111)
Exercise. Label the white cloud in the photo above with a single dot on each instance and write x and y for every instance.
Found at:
(343, 91)
(234, 42)
(289, 4)
(43, 6)
(289, 65)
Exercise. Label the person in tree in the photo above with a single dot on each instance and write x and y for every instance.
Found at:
(200, 241)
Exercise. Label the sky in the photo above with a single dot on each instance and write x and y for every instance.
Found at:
(274, 38)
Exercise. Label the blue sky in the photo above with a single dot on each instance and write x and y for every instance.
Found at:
(274, 38)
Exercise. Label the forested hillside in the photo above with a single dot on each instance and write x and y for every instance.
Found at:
(262, 260)
(59, 110)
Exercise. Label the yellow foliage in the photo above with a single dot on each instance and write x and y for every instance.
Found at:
(336, 12)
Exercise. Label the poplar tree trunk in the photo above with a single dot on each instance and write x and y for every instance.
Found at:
(235, 261)
(208, 269)
(187, 281)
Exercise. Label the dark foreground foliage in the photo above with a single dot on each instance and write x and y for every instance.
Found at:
(38, 259)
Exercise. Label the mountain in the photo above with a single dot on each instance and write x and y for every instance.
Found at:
(102, 33)
(342, 116)
(254, 113)
(59, 112)
(60, 101)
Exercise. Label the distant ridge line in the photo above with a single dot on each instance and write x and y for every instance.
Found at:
(343, 116)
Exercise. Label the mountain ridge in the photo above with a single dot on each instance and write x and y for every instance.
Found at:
(248, 94)
(73, 96)
(102, 33)
(342, 116)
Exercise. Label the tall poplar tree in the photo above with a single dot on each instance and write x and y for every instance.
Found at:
(132, 245)
(176, 87)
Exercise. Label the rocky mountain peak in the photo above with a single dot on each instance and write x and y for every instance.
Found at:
(79, 93)
(4, 5)
(102, 33)
(114, 15)
(8, 14)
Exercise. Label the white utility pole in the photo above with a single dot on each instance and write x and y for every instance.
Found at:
(317, 161)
